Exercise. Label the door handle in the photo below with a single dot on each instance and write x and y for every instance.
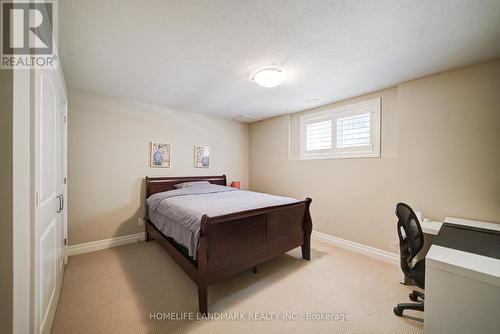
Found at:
(59, 199)
(61, 203)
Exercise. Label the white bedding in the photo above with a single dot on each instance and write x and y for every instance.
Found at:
(177, 213)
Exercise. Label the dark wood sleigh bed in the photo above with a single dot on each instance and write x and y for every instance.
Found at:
(235, 242)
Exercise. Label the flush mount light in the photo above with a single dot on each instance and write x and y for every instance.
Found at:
(269, 77)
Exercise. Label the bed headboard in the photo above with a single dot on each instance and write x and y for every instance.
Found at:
(159, 184)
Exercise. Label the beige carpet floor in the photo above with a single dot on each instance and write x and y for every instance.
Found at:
(115, 290)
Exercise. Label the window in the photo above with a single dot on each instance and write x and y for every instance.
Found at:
(319, 135)
(351, 131)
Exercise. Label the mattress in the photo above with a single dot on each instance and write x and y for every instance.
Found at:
(177, 213)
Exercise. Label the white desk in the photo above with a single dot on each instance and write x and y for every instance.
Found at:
(431, 227)
(462, 290)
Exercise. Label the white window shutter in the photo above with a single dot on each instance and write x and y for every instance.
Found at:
(354, 131)
(351, 131)
(319, 135)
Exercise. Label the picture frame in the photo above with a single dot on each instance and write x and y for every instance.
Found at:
(202, 156)
(161, 155)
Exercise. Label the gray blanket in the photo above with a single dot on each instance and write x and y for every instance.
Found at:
(177, 213)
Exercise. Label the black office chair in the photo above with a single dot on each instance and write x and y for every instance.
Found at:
(411, 241)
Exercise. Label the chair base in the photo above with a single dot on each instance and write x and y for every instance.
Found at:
(398, 310)
(414, 295)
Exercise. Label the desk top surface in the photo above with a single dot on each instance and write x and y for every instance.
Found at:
(469, 239)
(466, 263)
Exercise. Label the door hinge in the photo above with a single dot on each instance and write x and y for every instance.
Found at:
(65, 120)
(65, 180)
(65, 241)
(36, 199)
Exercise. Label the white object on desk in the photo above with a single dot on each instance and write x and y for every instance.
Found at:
(419, 215)
(428, 226)
(431, 227)
(462, 289)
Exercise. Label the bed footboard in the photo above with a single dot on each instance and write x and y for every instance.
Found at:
(232, 243)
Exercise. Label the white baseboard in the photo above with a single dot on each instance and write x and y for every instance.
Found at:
(93, 246)
(357, 247)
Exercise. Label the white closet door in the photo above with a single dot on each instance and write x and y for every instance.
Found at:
(50, 162)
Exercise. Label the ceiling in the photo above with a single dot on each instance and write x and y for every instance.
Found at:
(199, 56)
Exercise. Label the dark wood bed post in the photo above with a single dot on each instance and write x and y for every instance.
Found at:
(306, 247)
(202, 267)
(146, 230)
(146, 214)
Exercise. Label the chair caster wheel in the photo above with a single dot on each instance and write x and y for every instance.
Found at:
(398, 311)
(413, 297)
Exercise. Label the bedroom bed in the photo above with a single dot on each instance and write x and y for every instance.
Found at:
(213, 231)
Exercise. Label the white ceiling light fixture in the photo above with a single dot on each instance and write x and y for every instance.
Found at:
(269, 77)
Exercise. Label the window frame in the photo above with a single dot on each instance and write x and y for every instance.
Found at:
(371, 106)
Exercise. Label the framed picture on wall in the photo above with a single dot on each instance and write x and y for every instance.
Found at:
(201, 156)
(161, 154)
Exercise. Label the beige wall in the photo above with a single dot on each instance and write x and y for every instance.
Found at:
(440, 153)
(108, 158)
(6, 108)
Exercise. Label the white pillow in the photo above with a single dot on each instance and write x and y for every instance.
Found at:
(190, 184)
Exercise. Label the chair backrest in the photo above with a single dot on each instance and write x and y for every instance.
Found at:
(411, 237)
